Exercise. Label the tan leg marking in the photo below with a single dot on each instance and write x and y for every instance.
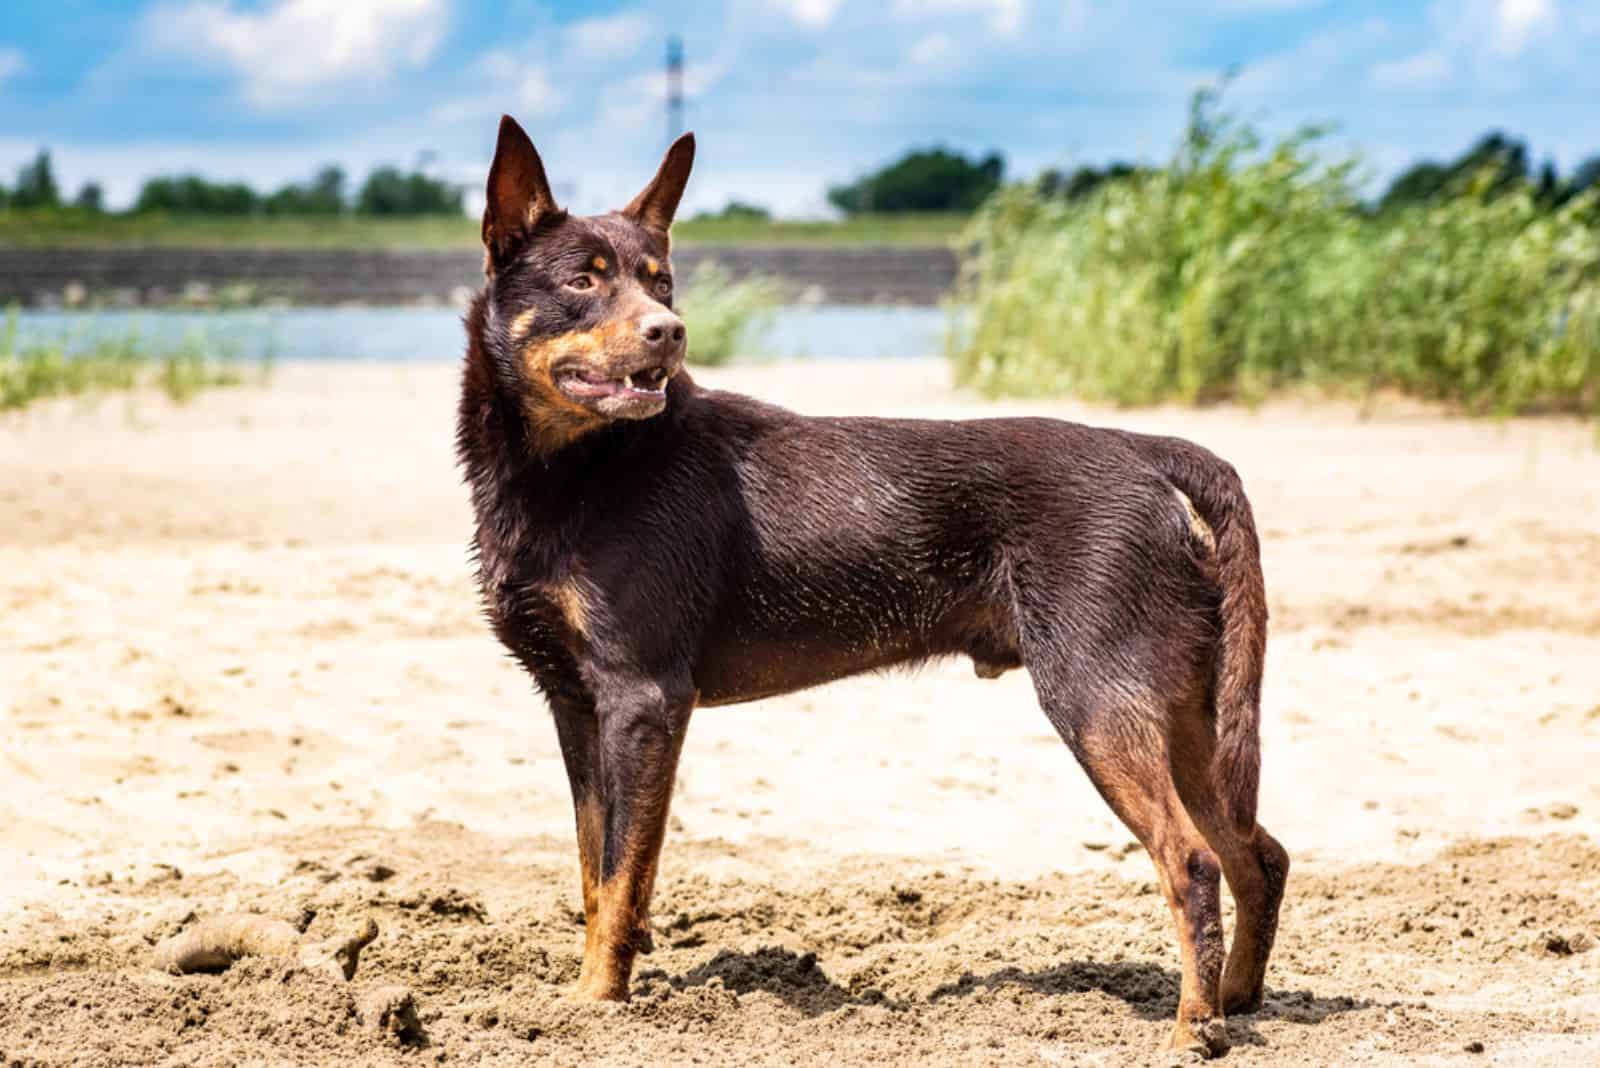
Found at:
(622, 902)
(591, 839)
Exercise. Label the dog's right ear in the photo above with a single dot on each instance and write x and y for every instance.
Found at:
(518, 195)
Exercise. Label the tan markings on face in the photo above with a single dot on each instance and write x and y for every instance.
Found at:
(600, 263)
(522, 325)
(1197, 526)
(652, 265)
(555, 419)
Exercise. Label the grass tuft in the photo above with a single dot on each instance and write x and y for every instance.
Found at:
(727, 319)
(67, 367)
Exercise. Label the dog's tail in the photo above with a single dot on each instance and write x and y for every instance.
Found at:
(1217, 494)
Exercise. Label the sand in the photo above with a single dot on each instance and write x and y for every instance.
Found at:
(242, 669)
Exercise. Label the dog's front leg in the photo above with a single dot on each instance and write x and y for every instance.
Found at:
(577, 728)
(640, 727)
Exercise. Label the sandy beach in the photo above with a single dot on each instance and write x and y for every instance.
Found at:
(242, 668)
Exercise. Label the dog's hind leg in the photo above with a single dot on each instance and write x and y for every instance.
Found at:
(1117, 732)
(640, 727)
(1254, 863)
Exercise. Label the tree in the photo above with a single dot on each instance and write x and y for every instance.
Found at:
(190, 194)
(1586, 177)
(389, 191)
(926, 180)
(1081, 182)
(736, 209)
(323, 195)
(36, 185)
(1421, 182)
(1549, 190)
(1502, 159)
(91, 198)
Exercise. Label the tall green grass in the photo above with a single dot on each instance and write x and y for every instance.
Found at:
(726, 318)
(68, 366)
(1242, 268)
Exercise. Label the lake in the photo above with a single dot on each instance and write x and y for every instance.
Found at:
(836, 332)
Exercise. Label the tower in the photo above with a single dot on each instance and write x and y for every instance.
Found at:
(674, 88)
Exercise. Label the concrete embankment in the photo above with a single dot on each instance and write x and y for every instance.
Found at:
(867, 274)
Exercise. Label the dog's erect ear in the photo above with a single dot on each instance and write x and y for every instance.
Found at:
(653, 209)
(518, 193)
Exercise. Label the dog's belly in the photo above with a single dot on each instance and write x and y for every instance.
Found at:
(748, 672)
(749, 663)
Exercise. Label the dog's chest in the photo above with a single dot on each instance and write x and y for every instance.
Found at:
(535, 603)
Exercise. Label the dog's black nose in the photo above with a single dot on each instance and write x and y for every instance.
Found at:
(661, 330)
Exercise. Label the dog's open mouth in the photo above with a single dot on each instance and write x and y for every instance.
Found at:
(649, 383)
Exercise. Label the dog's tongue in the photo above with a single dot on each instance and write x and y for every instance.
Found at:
(592, 385)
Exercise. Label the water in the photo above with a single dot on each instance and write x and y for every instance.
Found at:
(418, 334)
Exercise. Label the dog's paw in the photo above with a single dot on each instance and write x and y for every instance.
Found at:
(1198, 1039)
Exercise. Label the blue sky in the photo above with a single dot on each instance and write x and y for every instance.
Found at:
(785, 96)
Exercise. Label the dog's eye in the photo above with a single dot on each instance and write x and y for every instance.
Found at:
(581, 282)
(663, 287)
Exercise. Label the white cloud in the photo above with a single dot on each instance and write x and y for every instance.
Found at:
(633, 102)
(1487, 45)
(1319, 59)
(502, 81)
(609, 36)
(524, 84)
(1519, 21)
(12, 62)
(1422, 70)
(932, 49)
(1256, 7)
(286, 50)
(816, 13)
(1004, 16)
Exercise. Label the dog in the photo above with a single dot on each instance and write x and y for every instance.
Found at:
(645, 546)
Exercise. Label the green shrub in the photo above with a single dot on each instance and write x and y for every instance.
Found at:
(1238, 269)
(726, 318)
(38, 370)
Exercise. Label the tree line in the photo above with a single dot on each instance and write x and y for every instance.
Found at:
(386, 191)
(922, 180)
(932, 180)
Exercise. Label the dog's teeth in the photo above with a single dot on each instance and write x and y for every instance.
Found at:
(628, 381)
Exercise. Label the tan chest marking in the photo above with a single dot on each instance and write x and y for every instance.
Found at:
(570, 602)
(522, 325)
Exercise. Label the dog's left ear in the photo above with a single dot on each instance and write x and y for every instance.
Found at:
(518, 196)
(653, 209)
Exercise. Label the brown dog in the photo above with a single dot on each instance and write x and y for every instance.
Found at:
(646, 546)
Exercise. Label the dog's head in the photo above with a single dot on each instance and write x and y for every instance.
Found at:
(581, 326)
